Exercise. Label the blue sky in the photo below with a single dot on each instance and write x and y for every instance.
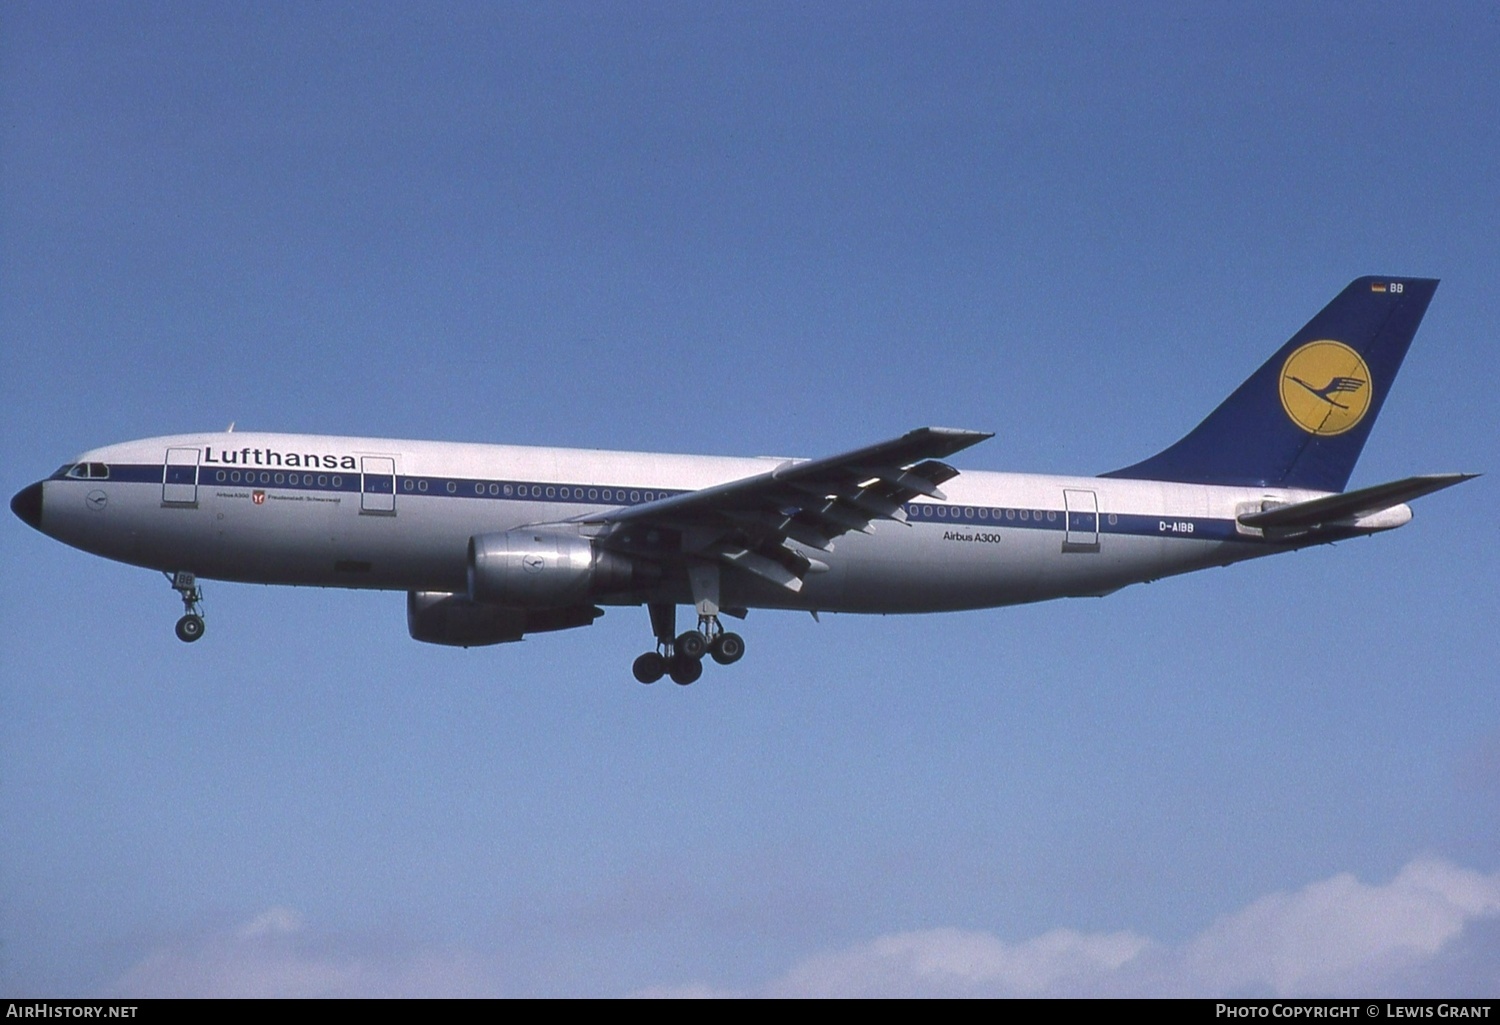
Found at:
(761, 229)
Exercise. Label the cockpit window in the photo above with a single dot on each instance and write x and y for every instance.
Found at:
(79, 471)
(98, 471)
(87, 471)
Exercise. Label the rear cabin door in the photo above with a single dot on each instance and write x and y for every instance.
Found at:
(1082, 511)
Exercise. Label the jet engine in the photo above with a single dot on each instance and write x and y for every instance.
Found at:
(547, 568)
(440, 618)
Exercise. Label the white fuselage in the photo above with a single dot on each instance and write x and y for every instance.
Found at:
(379, 513)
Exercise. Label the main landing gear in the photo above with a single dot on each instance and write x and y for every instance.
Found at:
(681, 657)
(190, 626)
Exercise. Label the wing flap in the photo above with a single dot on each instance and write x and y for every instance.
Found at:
(763, 567)
(909, 480)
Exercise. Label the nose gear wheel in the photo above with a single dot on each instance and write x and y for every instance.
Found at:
(190, 627)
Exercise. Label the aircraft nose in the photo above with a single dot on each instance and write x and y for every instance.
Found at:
(27, 504)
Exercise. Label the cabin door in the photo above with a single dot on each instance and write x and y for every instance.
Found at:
(1082, 511)
(377, 490)
(179, 477)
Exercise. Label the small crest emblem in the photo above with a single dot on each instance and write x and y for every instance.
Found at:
(258, 497)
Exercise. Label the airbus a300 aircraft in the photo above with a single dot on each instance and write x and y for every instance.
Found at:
(493, 542)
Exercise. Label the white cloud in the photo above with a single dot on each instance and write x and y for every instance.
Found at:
(960, 962)
(272, 922)
(1432, 930)
(695, 991)
(1416, 933)
(1341, 933)
(275, 955)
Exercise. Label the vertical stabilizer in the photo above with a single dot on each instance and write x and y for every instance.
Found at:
(1301, 420)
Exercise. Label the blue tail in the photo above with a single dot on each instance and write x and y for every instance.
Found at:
(1301, 420)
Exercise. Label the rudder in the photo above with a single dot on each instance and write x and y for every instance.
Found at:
(1301, 420)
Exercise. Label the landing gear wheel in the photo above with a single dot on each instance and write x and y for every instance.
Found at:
(727, 648)
(190, 626)
(692, 644)
(650, 667)
(685, 670)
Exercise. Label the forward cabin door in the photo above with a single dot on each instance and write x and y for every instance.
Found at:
(179, 477)
(377, 490)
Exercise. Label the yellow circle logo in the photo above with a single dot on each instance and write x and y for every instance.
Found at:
(1325, 387)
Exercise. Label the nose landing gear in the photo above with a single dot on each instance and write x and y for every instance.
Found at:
(681, 656)
(190, 627)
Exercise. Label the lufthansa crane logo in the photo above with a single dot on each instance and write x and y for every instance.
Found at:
(1325, 387)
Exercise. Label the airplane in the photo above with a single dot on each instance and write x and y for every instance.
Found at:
(495, 542)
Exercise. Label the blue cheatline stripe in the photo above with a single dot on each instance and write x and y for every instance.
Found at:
(979, 517)
(973, 517)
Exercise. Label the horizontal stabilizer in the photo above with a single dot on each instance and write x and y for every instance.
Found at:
(1352, 504)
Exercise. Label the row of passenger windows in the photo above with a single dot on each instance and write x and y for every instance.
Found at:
(927, 511)
(420, 485)
(614, 496)
(306, 480)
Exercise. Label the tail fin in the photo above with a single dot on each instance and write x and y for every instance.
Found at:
(1301, 420)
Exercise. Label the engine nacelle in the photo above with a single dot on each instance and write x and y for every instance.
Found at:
(437, 617)
(543, 568)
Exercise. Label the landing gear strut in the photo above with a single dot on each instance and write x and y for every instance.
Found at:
(681, 656)
(190, 626)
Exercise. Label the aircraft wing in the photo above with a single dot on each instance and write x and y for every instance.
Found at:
(747, 523)
(1351, 505)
